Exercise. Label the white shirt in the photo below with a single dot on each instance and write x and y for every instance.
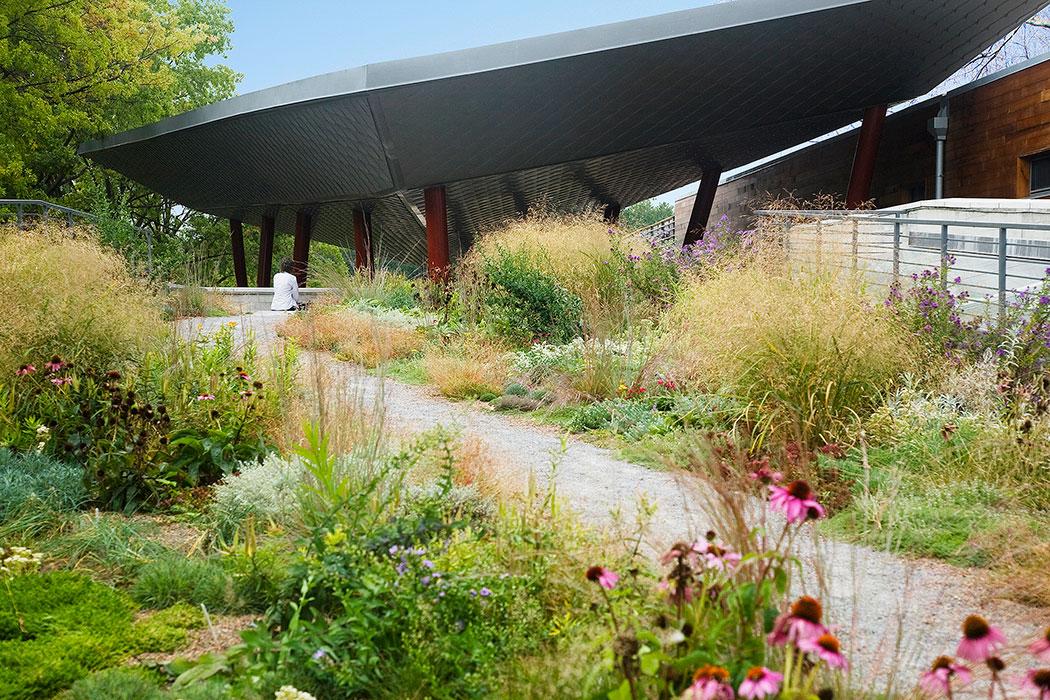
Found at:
(285, 292)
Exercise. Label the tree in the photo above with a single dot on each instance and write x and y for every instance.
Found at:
(644, 214)
(73, 70)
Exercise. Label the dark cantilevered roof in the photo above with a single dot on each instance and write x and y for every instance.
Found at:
(607, 115)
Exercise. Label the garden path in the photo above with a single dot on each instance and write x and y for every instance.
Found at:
(896, 614)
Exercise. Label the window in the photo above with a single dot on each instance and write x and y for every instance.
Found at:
(1039, 177)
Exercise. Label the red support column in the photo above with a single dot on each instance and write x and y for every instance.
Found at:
(240, 272)
(301, 247)
(436, 212)
(702, 204)
(864, 160)
(264, 274)
(363, 242)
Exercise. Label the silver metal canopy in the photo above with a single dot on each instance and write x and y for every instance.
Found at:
(607, 115)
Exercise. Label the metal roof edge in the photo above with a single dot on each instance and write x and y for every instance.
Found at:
(762, 164)
(476, 60)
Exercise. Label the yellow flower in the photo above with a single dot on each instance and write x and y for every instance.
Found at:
(231, 324)
(337, 537)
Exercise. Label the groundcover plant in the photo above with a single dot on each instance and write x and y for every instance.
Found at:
(191, 512)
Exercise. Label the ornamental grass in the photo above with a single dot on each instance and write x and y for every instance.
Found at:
(68, 294)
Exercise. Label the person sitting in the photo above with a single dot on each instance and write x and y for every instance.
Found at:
(285, 289)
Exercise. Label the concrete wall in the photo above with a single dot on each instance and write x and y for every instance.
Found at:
(246, 300)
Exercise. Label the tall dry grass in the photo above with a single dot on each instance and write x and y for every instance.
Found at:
(810, 351)
(354, 336)
(70, 296)
(468, 370)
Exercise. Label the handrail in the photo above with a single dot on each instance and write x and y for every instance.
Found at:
(898, 219)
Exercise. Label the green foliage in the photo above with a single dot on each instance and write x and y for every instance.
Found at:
(167, 630)
(78, 70)
(107, 544)
(643, 214)
(173, 578)
(635, 419)
(116, 684)
(525, 304)
(65, 626)
(25, 476)
(185, 416)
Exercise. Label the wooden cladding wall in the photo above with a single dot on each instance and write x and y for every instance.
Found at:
(993, 129)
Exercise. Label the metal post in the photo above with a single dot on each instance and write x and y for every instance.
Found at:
(69, 219)
(944, 255)
(702, 204)
(301, 246)
(1002, 272)
(149, 251)
(897, 250)
(435, 207)
(853, 247)
(240, 271)
(864, 160)
(18, 216)
(938, 127)
(820, 242)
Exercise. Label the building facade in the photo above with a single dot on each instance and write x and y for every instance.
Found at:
(997, 146)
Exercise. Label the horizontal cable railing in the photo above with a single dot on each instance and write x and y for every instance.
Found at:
(661, 233)
(1012, 257)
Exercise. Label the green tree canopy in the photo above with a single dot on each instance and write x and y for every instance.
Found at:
(644, 214)
(72, 70)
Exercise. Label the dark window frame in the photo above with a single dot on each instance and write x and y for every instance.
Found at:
(1043, 160)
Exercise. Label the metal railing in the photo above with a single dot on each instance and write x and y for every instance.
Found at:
(26, 210)
(660, 233)
(890, 245)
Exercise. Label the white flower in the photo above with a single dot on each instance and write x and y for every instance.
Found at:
(290, 692)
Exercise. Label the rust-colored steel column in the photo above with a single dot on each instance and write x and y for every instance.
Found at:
(301, 247)
(702, 204)
(240, 271)
(363, 241)
(264, 274)
(436, 212)
(864, 160)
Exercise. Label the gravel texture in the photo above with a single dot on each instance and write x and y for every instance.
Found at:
(894, 614)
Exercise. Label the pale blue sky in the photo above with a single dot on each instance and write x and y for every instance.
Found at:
(277, 41)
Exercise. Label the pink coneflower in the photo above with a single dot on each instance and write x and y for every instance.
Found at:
(25, 370)
(1040, 648)
(244, 376)
(710, 683)
(764, 474)
(796, 501)
(759, 683)
(1037, 682)
(938, 680)
(719, 558)
(54, 364)
(60, 381)
(206, 397)
(801, 621)
(679, 550)
(826, 647)
(606, 578)
(980, 640)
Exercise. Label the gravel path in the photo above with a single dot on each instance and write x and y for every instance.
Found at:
(897, 614)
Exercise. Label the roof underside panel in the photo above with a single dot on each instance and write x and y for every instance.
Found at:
(610, 114)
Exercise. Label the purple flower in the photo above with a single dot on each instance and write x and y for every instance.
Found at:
(393, 550)
(427, 563)
(425, 580)
(319, 654)
(402, 567)
(485, 593)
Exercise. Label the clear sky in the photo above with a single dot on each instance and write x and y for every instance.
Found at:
(276, 41)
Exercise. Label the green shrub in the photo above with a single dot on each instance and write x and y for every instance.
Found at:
(525, 304)
(167, 630)
(116, 684)
(172, 579)
(25, 476)
(66, 626)
(108, 544)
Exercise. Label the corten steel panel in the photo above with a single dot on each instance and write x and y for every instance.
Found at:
(610, 114)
